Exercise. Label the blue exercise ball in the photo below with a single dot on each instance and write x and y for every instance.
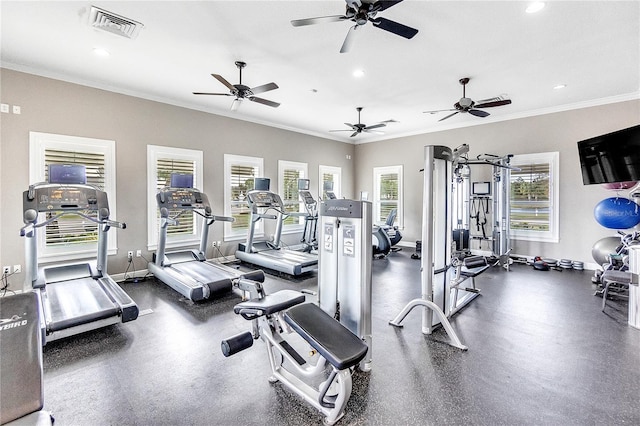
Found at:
(617, 213)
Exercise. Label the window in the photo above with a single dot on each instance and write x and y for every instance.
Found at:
(387, 193)
(162, 161)
(288, 174)
(330, 174)
(534, 197)
(239, 172)
(71, 236)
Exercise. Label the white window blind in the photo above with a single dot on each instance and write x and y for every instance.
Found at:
(72, 236)
(330, 174)
(162, 162)
(165, 167)
(72, 229)
(387, 193)
(239, 174)
(533, 197)
(289, 172)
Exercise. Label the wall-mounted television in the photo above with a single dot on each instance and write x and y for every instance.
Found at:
(609, 158)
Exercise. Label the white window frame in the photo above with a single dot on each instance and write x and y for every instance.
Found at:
(377, 202)
(337, 179)
(553, 234)
(38, 144)
(230, 160)
(154, 153)
(302, 168)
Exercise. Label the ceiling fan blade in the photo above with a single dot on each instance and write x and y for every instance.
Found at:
(450, 115)
(386, 4)
(348, 41)
(318, 20)
(216, 94)
(492, 103)
(222, 80)
(377, 132)
(478, 113)
(375, 126)
(264, 88)
(438, 110)
(354, 134)
(236, 104)
(394, 27)
(351, 125)
(342, 130)
(264, 101)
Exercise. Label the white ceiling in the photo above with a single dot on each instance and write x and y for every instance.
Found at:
(591, 46)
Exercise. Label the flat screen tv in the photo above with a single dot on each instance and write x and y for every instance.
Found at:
(610, 158)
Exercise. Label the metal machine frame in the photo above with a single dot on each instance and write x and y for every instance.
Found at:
(498, 198)
(436, 246)
(344, 267)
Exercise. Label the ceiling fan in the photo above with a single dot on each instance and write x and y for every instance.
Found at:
(468, 105)
(361, 11)
(360, 127)
(240, 91)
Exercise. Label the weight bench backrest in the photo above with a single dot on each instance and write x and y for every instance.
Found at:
(332, 340)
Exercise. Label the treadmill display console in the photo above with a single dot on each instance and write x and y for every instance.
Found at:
(263, 199)
(66, 198)
(182, 198)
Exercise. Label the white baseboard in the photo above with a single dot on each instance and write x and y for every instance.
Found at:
(138, 273)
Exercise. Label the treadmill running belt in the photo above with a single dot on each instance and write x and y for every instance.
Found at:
(76, 302)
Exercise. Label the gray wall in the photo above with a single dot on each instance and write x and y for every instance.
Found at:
(551, 132)
(53, 106)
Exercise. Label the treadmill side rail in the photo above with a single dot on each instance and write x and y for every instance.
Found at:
(128, 308)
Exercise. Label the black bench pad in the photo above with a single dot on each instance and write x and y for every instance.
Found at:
(332, 340)
(270, 303)
(473, 266)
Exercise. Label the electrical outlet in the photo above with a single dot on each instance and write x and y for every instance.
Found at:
(214, 244)
(130, 255)
(17, 269)
(138, 253)
(6, 270)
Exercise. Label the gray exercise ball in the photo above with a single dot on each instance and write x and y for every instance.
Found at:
(603, 248)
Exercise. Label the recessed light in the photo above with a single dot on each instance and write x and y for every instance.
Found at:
(98, 51)
(534, 7)
(358, 73)
(559, 86)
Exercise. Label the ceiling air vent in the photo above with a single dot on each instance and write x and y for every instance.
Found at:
(116, 24)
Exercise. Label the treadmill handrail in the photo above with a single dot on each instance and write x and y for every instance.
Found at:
(35, 224)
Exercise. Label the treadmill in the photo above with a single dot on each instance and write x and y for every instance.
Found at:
(270, 254)
(187, 271)
(76, 297)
